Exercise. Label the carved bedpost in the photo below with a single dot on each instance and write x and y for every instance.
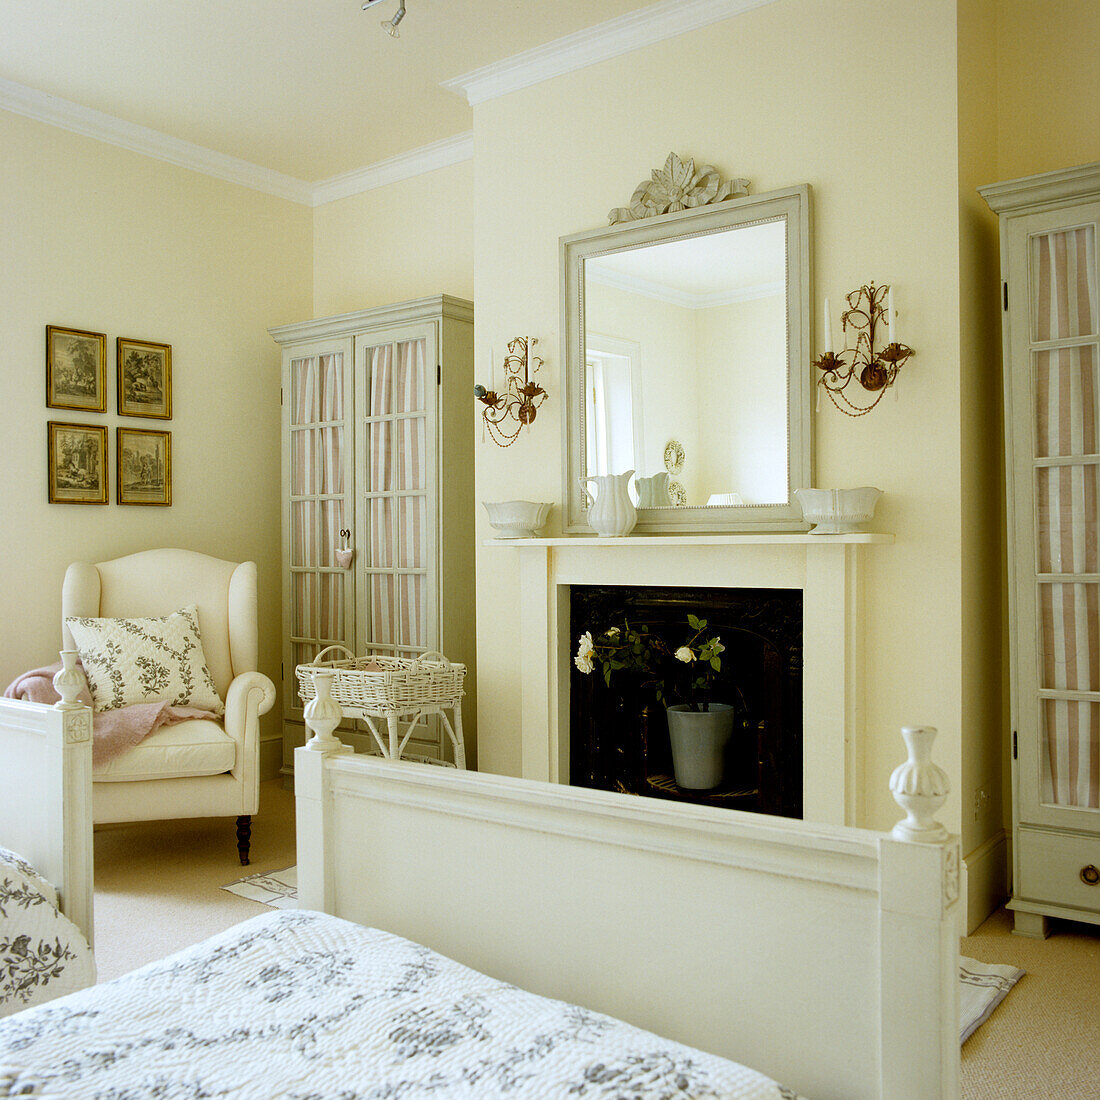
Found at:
(323, 714)
(313, 800)
(920, 788)
(920, 864)
(75, 803)
(68, 681)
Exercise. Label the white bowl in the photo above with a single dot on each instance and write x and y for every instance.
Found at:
(516, 519)
(838, 511)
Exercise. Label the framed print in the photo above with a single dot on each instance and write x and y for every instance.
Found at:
(77, 463)
(144, 461)
(144, 379)
(76, 369)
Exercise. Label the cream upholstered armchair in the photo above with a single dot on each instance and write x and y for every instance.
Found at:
(195, 768)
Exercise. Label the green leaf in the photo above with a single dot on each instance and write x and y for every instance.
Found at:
(607, 675)
(716, 663)
(696, 623)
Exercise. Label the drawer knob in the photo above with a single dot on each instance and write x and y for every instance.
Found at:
(1090, 876)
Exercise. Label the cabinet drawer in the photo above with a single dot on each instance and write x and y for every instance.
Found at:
(1050, 867)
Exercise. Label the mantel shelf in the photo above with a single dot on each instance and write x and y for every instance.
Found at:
(638, 541)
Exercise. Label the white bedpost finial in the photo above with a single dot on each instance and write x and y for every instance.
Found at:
(323, 714)
(920, 788)
(68, 681)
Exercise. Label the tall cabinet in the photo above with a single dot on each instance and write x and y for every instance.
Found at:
(378, 494)
(1050, 226)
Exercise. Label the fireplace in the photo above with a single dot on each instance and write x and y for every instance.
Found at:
(618, 735)
(825, 569)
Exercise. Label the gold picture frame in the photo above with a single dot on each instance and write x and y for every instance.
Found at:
(143, 460)
(76, 369)
(77, 463)
(144, 378)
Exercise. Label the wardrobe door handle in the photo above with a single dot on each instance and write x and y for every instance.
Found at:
(1090, 876)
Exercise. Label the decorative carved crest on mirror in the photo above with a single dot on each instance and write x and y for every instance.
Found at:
(688, 319)
(677, 186)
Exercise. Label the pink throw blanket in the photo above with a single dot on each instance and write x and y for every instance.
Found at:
(113, 731)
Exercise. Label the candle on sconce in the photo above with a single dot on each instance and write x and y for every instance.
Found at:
(828, 330)
(890, 315)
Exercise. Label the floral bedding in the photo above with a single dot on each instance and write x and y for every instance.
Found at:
(42, 953)
(305, 1006)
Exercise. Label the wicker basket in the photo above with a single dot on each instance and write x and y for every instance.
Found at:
(393, 685)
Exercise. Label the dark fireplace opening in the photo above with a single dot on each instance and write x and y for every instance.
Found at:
(618, 733)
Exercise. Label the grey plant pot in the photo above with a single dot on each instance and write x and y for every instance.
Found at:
(699, 739)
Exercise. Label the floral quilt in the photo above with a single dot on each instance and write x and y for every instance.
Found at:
(305, 1006)
(42, 954)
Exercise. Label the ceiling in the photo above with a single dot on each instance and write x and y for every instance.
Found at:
(307, 88)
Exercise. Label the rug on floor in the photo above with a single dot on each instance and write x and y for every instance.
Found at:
(279, 889)
(982, 985)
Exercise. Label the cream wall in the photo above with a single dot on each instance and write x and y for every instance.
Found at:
(99, 238)
(766, 95)
(1048, 94)
(402, 241)
(985, 765)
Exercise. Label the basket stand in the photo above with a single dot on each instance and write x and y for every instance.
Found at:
(410, 691)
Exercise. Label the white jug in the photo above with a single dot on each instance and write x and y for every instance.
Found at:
(611, 511)
(653, 491)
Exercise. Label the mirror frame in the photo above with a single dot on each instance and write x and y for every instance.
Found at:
(793, 203)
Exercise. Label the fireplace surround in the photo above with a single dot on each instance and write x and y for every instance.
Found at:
(826, 568)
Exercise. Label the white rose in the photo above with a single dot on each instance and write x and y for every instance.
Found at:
(613, 632)
(684, 654)
(584, 662)
(584, 644)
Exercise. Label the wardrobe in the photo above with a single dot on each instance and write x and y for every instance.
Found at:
(1049, 227)
(378, 495)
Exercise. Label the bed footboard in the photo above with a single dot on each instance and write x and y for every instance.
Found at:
(46, 798)
(824, 956)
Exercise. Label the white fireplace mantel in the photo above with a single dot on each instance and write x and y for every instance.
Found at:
(825, 567)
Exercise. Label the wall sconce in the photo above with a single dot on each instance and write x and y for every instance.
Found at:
(875, 371)
(520, 397)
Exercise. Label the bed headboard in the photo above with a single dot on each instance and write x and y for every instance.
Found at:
(46, 798)
(823, 956)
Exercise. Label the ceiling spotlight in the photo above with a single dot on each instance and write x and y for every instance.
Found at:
(390, 25)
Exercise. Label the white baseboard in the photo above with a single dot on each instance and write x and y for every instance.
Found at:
(986, 877)
(271, 756)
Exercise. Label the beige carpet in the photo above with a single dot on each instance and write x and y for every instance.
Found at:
(158, 884)
(1043, 1041)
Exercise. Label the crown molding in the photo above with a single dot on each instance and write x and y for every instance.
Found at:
(427, 158)
(599, 43)
(88, 122)
(91, 123)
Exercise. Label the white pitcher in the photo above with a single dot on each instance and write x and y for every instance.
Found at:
(653, 491)
(611, 512)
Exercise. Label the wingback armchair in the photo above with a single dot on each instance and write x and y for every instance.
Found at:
(195, 768)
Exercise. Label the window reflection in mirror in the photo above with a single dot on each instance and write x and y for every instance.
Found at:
(687, 340)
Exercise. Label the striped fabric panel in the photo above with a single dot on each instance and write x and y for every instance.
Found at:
(317, 468)
(1067, 402)
(411, 476)
(397, 460)
(1067, 408)
(1064, 273)
(1071, 760)
(379, 479)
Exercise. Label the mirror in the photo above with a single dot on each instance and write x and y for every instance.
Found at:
(686, 352)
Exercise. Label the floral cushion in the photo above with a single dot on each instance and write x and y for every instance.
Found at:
(146, 661)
